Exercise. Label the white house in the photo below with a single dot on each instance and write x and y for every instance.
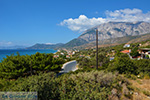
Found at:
(126, 46)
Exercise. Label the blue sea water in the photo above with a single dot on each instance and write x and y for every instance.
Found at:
(3, 53)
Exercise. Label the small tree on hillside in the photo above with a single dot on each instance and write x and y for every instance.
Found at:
(134, 52)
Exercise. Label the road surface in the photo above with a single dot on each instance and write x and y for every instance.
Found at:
(69, 66)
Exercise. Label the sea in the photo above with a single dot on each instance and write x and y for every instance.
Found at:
(4, 53)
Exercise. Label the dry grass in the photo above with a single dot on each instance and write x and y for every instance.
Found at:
(139, 96)
(141, 89)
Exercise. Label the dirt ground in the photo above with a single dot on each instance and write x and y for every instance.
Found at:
(141, 89)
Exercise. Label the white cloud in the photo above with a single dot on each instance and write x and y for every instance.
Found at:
(128, 15)
(124, 12)
(49, 43)
(130, 11)
(4, 43)
(9, 43)
(83, 23)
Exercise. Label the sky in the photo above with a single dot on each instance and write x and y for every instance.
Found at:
(27, 22)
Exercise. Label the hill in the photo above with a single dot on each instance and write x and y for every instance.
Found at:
(45, 46)
(75, 42)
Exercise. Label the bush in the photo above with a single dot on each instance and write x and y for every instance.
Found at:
(123, 64)
(131, 76)
(44, 83)
(143, 66)
(95, 85)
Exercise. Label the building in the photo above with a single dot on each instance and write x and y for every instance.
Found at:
(73, 53)
(62, 53)
(126, 46)
(145, 52)
(126, 51)
(67, 56)
(88, 57)
(82, 55)
(56, 56)
(111, 58)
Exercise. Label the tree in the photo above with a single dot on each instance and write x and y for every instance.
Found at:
(123, 64)
(134, 52)
(13, 66)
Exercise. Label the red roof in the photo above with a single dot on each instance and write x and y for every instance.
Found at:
(125, 51)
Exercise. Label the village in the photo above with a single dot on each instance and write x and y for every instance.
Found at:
(135, 53)
(65, 53)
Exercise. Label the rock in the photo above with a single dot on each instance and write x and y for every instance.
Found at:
(125, 89)
(116, 29)
(114, 95)
(114, 91)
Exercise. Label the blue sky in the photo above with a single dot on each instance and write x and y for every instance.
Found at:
(26, 22)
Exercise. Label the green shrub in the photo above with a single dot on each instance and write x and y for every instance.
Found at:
(95, 85)
(123, 64)
(146, 93)
(44, 83)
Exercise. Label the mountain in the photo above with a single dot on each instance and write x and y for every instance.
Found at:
(75, 42)
(112, 32)
(117, 41)
(45, 46)
(116, 29)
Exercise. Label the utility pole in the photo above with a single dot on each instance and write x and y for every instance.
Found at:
(96, 48)
(31, 67)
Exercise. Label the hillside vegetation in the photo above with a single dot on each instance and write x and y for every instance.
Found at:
(121, 78)
(84, 85)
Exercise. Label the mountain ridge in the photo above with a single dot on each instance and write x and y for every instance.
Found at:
(116, 29)
(117, 41)
(113, 30)
(45, 46)
(108, 33)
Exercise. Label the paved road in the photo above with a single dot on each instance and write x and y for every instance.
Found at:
(69, 66)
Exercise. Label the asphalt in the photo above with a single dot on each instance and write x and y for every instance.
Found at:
(69, 66)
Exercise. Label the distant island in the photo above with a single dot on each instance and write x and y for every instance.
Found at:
(13, 47)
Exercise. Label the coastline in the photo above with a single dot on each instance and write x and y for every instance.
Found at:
(5, 52)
